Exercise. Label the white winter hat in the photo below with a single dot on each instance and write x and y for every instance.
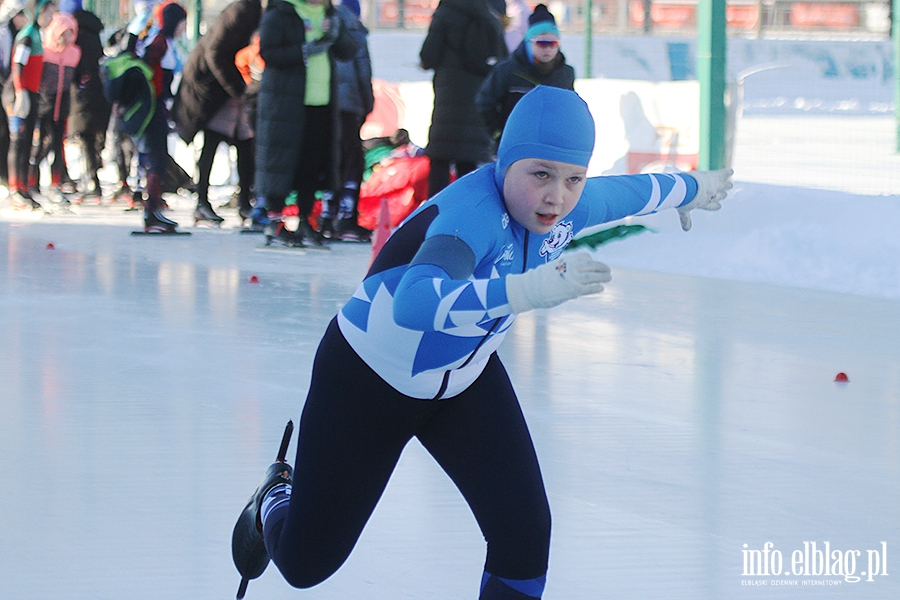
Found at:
(9, 9)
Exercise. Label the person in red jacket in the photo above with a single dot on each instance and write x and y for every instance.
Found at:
(12, 19)
(61, 56)
(22, 107)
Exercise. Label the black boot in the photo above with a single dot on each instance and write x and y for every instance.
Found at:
(247, 547)
(155, 221)
(279, 235)
(306, 232)
(205, 213)
(347, 230)
(245, 208)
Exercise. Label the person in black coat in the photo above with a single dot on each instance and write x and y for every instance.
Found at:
(536, 61)
(296, 124)
(90, 110)
(212, 88)
(464, 41)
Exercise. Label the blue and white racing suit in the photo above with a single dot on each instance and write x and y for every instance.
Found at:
(433, 307)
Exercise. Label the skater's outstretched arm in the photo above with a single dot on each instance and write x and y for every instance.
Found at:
(609, 198)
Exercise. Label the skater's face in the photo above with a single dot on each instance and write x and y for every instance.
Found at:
(538, 192)
(67, 38)
(544, 48)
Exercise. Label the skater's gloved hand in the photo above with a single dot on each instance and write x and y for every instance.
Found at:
(712, 187)
(22, 105)
(553, 283)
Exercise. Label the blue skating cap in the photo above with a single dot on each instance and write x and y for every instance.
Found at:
(549, 123)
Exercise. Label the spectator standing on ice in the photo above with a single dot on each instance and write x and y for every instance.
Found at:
(90, 111)
(61, 57)
(159, 54)
(297, 111)
(413, 354)
(12, 19)
(22, 98)
(464, 40)
(355, 100)
(537, 61)
(210, 99)
(128, 39)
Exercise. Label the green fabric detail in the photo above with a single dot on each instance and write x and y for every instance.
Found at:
(135, 108)
(318, 66)
(34, 32)
(373, 157)
(601, 237)
(117, 66)
(318, 80)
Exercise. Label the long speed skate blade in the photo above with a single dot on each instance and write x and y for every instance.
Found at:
(160, 233)
(285, 441)
(282, 453)
(242, 588)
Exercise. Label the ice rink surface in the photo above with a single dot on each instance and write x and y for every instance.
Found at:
(145, 383)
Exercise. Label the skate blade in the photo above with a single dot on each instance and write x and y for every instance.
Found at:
(161, 233)
(320, 248)
(298, 250)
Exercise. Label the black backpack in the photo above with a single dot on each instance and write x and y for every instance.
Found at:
(128, 82)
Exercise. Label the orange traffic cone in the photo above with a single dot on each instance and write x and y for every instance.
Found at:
(382, 229)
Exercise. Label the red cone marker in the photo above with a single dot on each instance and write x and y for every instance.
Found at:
(50, 246)
(841, 378)
(254, 279)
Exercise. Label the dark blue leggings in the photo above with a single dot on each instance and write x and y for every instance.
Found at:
(354, 427)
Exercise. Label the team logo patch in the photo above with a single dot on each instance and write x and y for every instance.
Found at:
(557, 240)
(504, 220)
(506, 255)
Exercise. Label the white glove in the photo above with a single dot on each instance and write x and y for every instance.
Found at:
(553, 283)
(22, 105)
(712, 187)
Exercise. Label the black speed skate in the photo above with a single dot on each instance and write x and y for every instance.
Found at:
(247, 547)
(206, 215)
(156, 222)
(278, 235)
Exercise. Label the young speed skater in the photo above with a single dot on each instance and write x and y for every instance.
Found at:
(413, 352)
